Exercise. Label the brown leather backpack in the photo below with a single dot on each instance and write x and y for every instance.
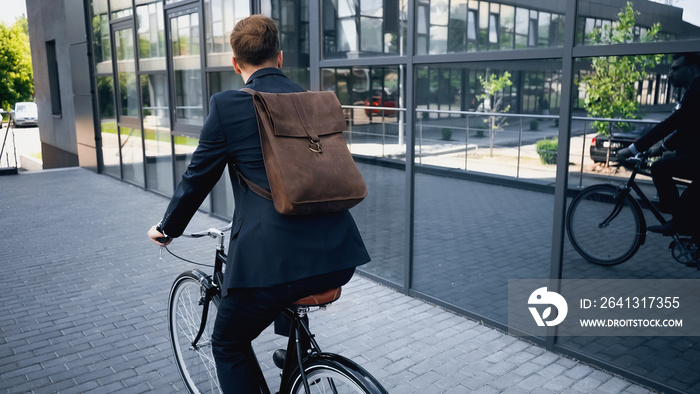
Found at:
(308, 164)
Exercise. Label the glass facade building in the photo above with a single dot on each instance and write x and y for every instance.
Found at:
(446, 103)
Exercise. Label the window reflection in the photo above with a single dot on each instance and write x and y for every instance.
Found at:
(151, 36)
(473, 25)
(221, 17)
(126, 72)
(100, 37)
(292, 18)
(108, 126)
(184, 32)
(120, 8)
(184, 147)
(679, 20)
(353, 28)
(156, 128)
(496, 144)
(131, 143)
(224, 80)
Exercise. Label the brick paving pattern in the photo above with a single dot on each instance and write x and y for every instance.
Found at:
(84, 307)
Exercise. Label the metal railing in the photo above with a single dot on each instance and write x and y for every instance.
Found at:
(8, 150)
(502, 144)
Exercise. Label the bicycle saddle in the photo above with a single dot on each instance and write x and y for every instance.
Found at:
(319, 299)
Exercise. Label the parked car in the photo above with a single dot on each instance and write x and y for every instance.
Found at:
(618, 140)
(26, 114)
(381, 99)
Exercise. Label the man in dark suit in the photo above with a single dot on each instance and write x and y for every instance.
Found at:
(273, 259)
(685, 141)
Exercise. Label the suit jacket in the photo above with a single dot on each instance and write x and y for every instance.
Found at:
(685, 121)
(266, 248)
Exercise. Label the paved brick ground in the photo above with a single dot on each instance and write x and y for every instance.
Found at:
(84, 308)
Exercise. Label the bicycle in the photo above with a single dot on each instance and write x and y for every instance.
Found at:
(193, 301)
(606, 225)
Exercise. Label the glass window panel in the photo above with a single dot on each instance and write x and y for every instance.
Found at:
(439, 12)
(532, 34)
(371, 34)
(480, 144)
(126, 72)
(438, 39)
(678, 20)
(224, 80)
(100, 37)
(371, 8)
(358, 28)
(507, 26)
(221, 16)
(132, 155)
(521, 28)
(483, 25)
(108, 125)
(493, 29)
(655, 100)
(458, 11)
(151, 35)
(471, 27)
(347, 8)
(187, 69)
(544, 30)
(156, 128)
(376, 133)
(422, 21)
(347, 36)
(120, 8)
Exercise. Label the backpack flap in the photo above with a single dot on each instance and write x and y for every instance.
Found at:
(308, 164)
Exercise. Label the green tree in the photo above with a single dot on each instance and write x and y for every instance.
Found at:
(610, 88)
(16, 79)
(493, 87)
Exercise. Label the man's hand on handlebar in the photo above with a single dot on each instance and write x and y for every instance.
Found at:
(157, 237)
(624, 154)
(656, 150)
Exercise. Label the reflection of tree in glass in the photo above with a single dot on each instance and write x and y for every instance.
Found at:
(610, 88)
(493, 87)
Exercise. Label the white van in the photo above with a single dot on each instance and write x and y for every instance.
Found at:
(26, 114)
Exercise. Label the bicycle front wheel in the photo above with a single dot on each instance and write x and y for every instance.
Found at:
(605, 225)
(333, 374)
(195, 363)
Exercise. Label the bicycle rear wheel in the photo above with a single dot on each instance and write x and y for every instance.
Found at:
(605, 225)
(333, 374)
(196, 365)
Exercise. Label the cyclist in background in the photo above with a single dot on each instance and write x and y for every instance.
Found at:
(685, 141)
(273, 260)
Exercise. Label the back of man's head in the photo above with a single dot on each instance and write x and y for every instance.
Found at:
(254, 40)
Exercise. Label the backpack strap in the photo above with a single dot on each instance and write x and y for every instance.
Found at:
(257, 189)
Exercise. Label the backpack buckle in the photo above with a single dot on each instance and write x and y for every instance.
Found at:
(315, 146)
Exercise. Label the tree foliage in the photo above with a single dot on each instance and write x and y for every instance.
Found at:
(610, 89)
(16, 78)
(493, 87)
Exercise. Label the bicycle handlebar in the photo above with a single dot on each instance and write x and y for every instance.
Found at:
(211, 232)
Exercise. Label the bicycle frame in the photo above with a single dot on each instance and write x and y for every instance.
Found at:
(646, 203)
(212, 285)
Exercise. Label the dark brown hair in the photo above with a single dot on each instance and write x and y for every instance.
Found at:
(254, 40)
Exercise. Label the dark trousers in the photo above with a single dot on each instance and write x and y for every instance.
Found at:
(244, 313)
(685, 207)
